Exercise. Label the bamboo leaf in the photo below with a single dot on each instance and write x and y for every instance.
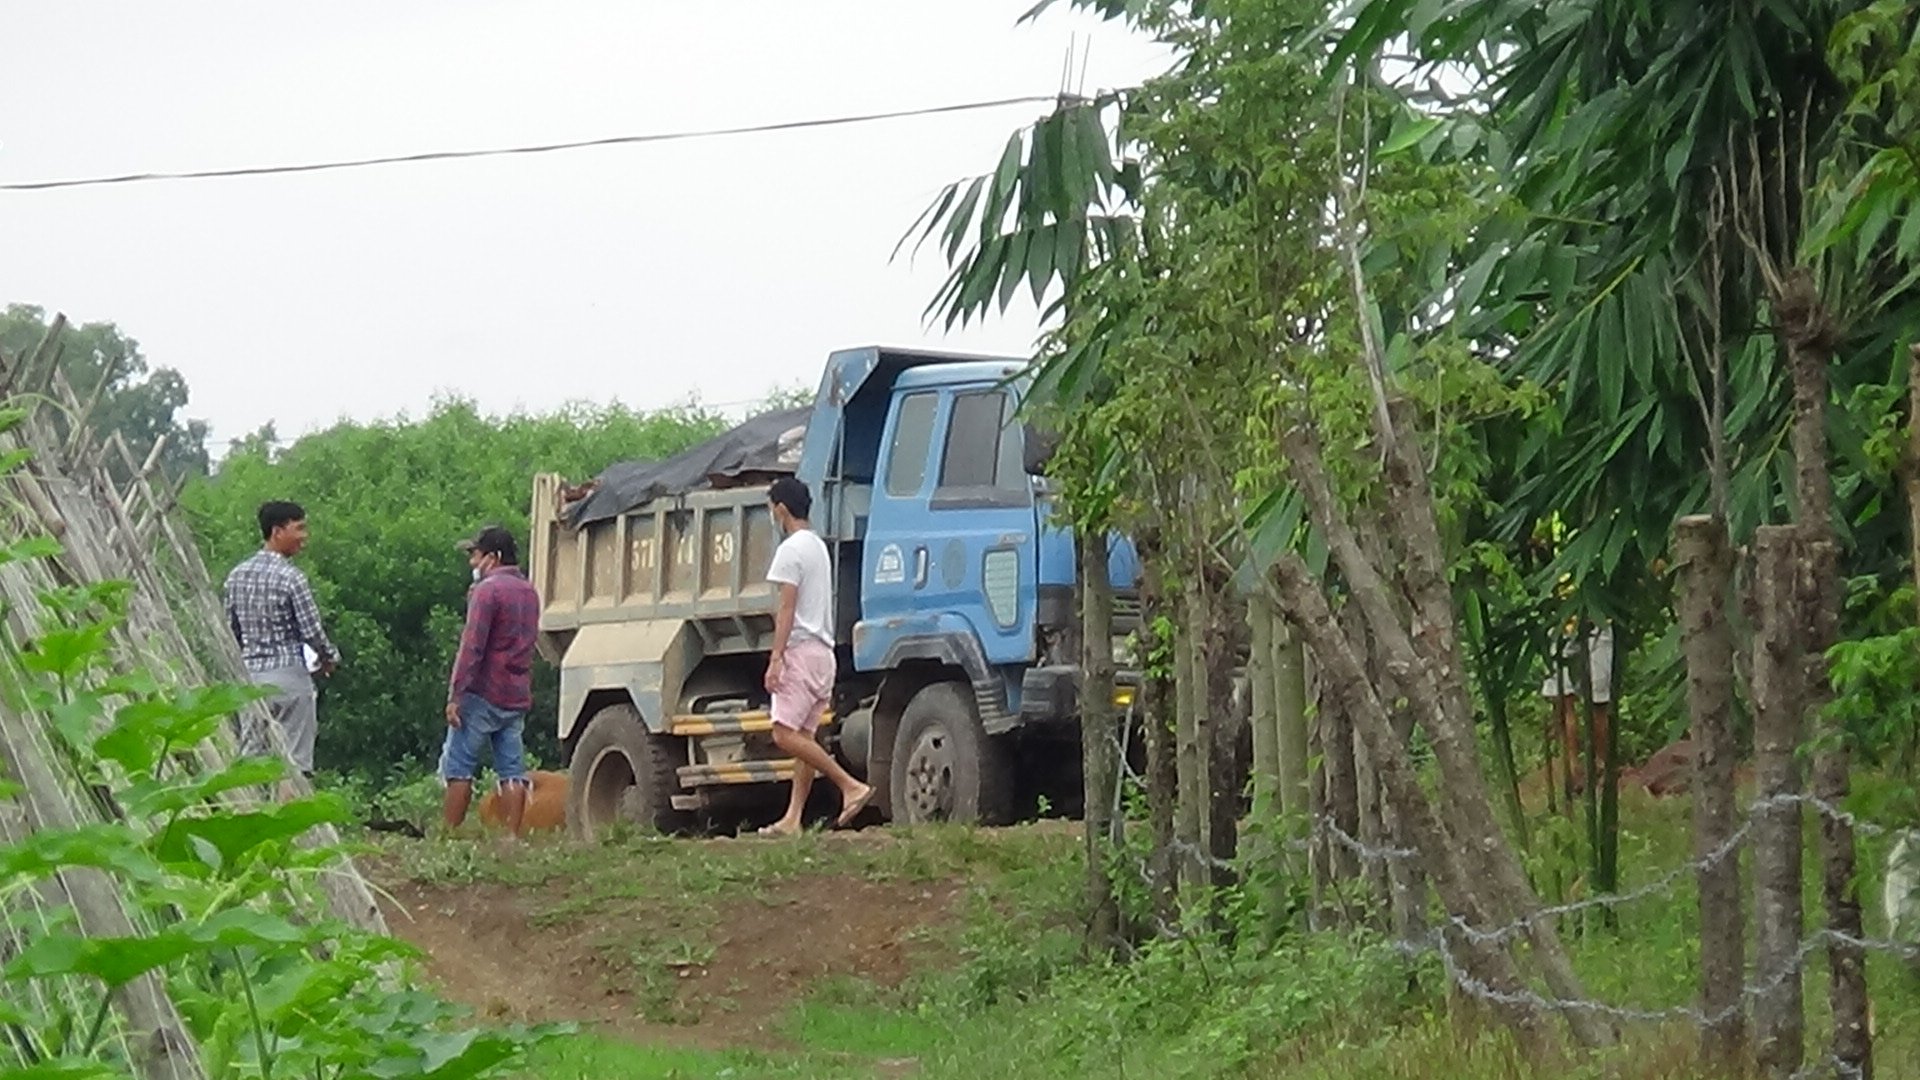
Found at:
(1408, 135)
(930, 218)
(1641, 320)
(1629, 427)
(1069, 250)
(1094, 144)
(1610, 357)
(1013, 269)
(1907, 242)
(1004, 178)
(1875, 224)
(1041, 251)
(1375, 22)
(1473, 283)
(956, 231)
(1068, 179)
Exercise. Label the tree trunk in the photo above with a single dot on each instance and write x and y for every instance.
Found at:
(1225, 783)
(1343, 790)
(1408, 879)
(1339, 821)
(1375, 835)
(1099, 750)
(1811, 339)
(1702, 550)
(1607, 854)
(1478, 966)
(1424, 655)
(1847, 993)
(1290, 708)
(1913, 462)
(1161, 708)
(1320, 841)
(1408, 882)
(1589, 735)
(1195, 740)
(1778, 1013)
(1261, 693)
(1269, 813)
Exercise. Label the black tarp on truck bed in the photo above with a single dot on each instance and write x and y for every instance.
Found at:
(767, 445)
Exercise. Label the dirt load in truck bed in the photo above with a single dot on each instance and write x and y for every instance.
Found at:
(764, 447)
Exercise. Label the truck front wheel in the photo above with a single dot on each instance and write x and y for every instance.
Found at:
(620, 771)
(945, 767)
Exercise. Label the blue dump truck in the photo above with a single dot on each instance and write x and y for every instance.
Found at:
(955, 620)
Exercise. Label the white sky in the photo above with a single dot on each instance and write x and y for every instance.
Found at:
(715, 269)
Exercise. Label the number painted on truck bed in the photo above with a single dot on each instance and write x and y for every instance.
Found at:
(642, 555)
(683, 549)
(723, 548)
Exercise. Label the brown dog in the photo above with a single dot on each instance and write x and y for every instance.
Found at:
(546, 803)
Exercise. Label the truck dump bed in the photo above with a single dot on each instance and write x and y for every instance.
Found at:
(685, 538)
(697, 555)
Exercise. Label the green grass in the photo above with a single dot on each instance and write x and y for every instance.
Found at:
(591, 1057)
(1018, 999)
(864, 1031)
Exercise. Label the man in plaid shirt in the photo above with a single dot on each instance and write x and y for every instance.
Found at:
(273, 616)
(492, 684)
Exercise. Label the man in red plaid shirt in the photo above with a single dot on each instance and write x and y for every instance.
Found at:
(492, 684)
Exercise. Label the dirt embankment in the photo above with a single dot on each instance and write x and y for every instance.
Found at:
(724, 975)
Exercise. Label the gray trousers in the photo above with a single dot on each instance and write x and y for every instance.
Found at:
(293, 709)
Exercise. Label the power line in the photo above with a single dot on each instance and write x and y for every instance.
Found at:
(543, 148)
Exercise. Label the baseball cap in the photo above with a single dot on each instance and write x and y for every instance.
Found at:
(491, 540)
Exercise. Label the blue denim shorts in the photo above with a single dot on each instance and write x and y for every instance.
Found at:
(483, 725)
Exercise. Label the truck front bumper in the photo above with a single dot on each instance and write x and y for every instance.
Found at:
(1051, 694)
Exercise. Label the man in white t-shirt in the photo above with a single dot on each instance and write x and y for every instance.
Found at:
(1563, 690)
(800, 673)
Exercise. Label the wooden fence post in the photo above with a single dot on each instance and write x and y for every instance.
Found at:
(1705, 559)
(1779, 1020)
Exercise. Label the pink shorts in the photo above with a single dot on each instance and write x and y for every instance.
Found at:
(805, 689)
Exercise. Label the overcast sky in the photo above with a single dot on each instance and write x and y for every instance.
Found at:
(715, 269)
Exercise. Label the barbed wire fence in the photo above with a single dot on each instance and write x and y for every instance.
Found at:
(1321, 831)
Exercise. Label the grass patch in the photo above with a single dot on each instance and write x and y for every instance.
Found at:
(590, 1057)
(864, 1031)
(1019, 999)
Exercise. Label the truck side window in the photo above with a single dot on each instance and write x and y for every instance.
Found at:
(912, 436)
(982, 452)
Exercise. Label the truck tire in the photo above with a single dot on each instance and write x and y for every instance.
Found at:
(945, 767)
(621, 772)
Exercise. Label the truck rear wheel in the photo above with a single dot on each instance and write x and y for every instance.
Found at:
(945, 767)
(622, 772)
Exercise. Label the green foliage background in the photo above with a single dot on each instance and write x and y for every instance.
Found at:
(141, 402)
(385, 503)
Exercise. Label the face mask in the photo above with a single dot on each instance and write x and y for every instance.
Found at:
(476, 573)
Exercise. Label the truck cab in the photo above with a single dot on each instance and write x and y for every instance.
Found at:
(955, 619)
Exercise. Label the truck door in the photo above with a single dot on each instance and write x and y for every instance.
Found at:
(896, 558)
(952, 532)
(982, 526)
